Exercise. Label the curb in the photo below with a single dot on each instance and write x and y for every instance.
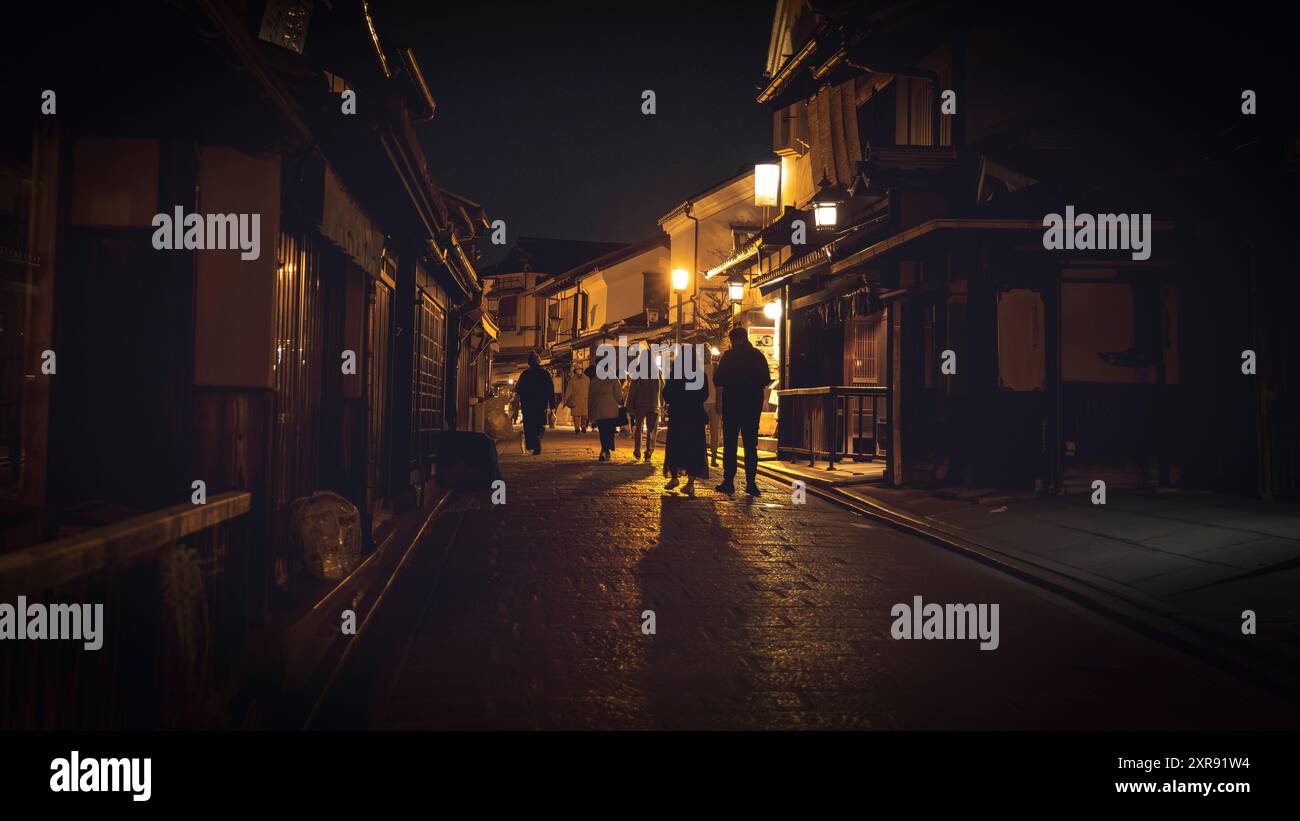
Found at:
(384, 583)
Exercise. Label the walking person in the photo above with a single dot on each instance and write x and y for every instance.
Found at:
(684, 452)
(604, 398)
(535, 400)
(643, 404)
(575, 396)
(711, 408)
(557, 385)
(742, 377)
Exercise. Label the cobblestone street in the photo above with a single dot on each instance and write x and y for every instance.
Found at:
(768, 615)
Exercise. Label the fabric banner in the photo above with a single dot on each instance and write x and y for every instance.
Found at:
(344, 223)
(833, 127)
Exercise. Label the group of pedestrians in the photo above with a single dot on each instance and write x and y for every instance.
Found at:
(733, 397)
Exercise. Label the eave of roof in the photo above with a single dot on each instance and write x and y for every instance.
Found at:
(695, 199)
(612, 258)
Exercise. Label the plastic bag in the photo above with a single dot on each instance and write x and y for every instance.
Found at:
(496, 419)
(329, 529)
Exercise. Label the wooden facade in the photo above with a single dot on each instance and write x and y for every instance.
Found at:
(325, 362)
(1006, 362)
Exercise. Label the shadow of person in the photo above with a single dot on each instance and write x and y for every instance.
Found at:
(698, 667)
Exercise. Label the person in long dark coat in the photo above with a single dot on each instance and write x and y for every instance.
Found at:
(685, 452)
(535, 399)
(742, 377)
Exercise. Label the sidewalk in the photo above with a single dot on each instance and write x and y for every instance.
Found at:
(1195, 557)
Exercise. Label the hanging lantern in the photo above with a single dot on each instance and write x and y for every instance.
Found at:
(826, 205)
(736, 290)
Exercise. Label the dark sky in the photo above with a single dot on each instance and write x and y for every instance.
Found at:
(539, 107)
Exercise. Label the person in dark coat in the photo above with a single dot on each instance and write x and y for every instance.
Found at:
(536, 396)
(742, 377)
(643, 403)
(604, 398)
(685, 452)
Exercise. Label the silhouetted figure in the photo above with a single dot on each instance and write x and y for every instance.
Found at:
(535, 400)
(711, 408)
(742, 376)
(643, 404)
(687, 419)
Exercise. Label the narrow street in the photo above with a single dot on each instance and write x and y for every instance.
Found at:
(527, 615)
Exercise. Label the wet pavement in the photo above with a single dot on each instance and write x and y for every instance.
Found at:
(767, 614)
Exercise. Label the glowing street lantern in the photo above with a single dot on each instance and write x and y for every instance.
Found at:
(681, 277)
(767, 184)
(826, 214)
(772, 310)
(736, 291)
(826, 206)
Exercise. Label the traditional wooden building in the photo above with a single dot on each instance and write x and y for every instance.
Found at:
(182, 395)
(624, 293)
(935, 323)
(511, 296)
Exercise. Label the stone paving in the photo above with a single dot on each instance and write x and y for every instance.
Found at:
(767, 614)
(1199, 554)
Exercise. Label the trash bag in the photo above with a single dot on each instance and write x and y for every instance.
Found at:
(467, 459)
(497, 420)
(329, 529)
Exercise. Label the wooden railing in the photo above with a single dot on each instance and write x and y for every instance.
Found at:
(177, 610)
(834, 422)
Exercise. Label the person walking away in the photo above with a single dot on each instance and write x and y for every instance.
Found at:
(535, 400)
(604, 397)
(742, 377)
(687, 418)
(643, 405)
(557, 388)
(575, 396)
(711, 408)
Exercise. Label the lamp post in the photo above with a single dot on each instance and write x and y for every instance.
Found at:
(681, 278)
(772, 311)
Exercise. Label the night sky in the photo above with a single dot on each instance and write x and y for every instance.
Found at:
(539, 109)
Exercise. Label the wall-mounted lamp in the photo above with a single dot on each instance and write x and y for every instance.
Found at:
(826, 205)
